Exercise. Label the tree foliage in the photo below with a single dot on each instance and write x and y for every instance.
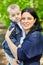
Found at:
(36, 4)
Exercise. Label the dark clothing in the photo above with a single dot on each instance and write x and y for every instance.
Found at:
(31, 49)
(15, 38)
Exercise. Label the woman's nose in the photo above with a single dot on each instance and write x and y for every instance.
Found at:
(25, 20)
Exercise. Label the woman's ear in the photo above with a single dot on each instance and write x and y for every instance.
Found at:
(34, 20)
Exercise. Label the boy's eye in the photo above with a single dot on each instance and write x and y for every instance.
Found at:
(18, 13)
(13, 15)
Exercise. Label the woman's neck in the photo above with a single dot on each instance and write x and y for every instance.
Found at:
(27, 31)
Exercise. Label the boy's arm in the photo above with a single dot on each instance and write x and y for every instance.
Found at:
(12, 36)
(4, 42)
(11, 26)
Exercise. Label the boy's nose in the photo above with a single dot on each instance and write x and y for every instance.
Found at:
(16, 16)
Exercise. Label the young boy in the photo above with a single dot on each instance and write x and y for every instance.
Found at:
(17, 34)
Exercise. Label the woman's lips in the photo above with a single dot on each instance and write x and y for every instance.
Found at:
(26, 24)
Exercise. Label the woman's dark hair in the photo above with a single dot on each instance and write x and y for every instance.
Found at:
(37, 26)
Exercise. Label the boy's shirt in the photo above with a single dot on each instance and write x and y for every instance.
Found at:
(15, 38)
(23, 33)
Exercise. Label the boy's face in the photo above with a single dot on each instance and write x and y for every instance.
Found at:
(15, 15)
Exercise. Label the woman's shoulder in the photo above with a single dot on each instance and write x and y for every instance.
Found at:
(35, 33)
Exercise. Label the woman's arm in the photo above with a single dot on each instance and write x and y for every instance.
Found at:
(31, 46)
(12, 47)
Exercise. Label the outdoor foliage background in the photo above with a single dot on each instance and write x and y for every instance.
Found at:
(4, 20)
(36, 4)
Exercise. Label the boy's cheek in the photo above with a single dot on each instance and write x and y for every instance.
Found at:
(20, 17)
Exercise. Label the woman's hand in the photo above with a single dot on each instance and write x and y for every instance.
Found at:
(9, 33)
(10, 43)
(17, 61)
(19, 46)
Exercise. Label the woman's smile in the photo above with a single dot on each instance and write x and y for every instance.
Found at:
(26, 24)
(27, 20)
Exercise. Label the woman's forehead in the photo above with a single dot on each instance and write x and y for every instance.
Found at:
(26, 14)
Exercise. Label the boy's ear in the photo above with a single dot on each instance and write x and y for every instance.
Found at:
(20, 11)
(9, 17)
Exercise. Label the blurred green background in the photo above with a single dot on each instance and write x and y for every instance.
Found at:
(36, 4)
(5, 22)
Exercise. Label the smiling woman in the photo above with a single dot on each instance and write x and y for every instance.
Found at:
(27, 20)
(31, 49)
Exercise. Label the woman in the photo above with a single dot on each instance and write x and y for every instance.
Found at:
(31, 49)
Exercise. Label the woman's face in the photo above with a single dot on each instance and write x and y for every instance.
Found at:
(27, 20)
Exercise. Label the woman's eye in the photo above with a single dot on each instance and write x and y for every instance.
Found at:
(22, 18)
(29, 18)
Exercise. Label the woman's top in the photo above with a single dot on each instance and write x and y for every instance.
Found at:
(31, 49)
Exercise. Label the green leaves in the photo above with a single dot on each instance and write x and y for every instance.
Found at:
(36, 4)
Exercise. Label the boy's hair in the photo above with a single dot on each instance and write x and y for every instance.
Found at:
(12, 7)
